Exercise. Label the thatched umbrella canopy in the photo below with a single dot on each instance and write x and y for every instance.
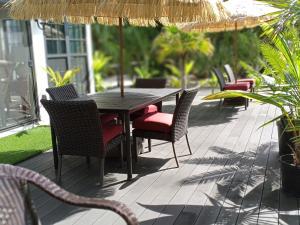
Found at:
(243, 14)
(112, 12)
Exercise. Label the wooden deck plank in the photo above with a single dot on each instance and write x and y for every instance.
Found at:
(249, 209)
(231, 178)
(161, 187)
(221, 184)
(243, 160)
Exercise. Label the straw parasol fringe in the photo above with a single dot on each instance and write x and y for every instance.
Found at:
(251, 22)
(175, 11)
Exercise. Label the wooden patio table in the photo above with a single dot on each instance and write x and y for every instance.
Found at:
(134, 100)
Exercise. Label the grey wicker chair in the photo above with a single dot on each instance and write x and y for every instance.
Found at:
(17, 208)
(232, 86)
(79, 131)
(167, 127)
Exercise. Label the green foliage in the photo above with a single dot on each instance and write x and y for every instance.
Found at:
(252, 73)
(60, 80)
(173, 42)
(23, 145)
(137, 44)
(288, 15)
(99, 65)
(100, 60)
(211, 82)
(176, 73)
(181, 46)
(145, 72)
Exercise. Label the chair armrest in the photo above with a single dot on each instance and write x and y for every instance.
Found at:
(8, 171)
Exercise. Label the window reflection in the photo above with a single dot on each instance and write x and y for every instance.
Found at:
(17, 103)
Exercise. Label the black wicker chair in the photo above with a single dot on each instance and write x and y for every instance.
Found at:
(244, 86)
(79, 131)
(17, 208)
(150, 83)
(68, 92)
(164, 126)
(62, 93)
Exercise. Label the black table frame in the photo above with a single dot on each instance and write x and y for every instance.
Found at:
(124, 112)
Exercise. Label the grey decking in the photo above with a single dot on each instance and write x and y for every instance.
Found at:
(232, 177)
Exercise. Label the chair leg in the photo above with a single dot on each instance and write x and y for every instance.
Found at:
(59, 168)
(149, 144)
(121, 154)
(188, 144)
(175, 154)
(134, 149)
(101, 171)
(88, 160)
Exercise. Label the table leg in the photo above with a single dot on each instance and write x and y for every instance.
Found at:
(54, 148)
(128, 146)
(177, 98)
(159, 106)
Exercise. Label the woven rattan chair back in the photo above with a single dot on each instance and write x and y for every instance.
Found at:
(77, 127)
(17, 208)
(230, 73)
(181, 114)
(62, 93)
(150, 83)
(220, 78)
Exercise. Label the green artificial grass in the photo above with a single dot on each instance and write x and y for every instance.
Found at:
(25, 144)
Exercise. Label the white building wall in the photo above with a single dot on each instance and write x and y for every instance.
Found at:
(40, 63)
(89, 44)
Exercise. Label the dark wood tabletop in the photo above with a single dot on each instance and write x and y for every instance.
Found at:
(134, 99)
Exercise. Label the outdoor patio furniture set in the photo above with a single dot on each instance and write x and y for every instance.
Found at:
(246, 84)
(92, 125)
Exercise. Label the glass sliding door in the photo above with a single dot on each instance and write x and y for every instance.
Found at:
(17, 98)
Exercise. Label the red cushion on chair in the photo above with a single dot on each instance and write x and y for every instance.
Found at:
(160, 122)
(144, 111)
(150, 109)
(249, 80)
(108, 117)
(244, 86)
(111, 131)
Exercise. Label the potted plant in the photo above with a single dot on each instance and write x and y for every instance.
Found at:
(60, 80)
(282, 62)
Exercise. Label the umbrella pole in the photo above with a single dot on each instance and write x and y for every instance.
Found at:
(121, 40)
(235, 48)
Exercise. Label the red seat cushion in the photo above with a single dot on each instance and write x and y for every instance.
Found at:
(160, 122)
(108, 117)
(244, 86)
(150, 109)
(249, 80)
(111, 131)
(144, 111)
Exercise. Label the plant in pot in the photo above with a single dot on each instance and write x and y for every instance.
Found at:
(60, 80)
(282, 62)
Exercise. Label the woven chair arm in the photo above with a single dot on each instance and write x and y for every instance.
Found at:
(14, 172)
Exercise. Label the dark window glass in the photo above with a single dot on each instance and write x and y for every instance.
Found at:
(17, 101)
